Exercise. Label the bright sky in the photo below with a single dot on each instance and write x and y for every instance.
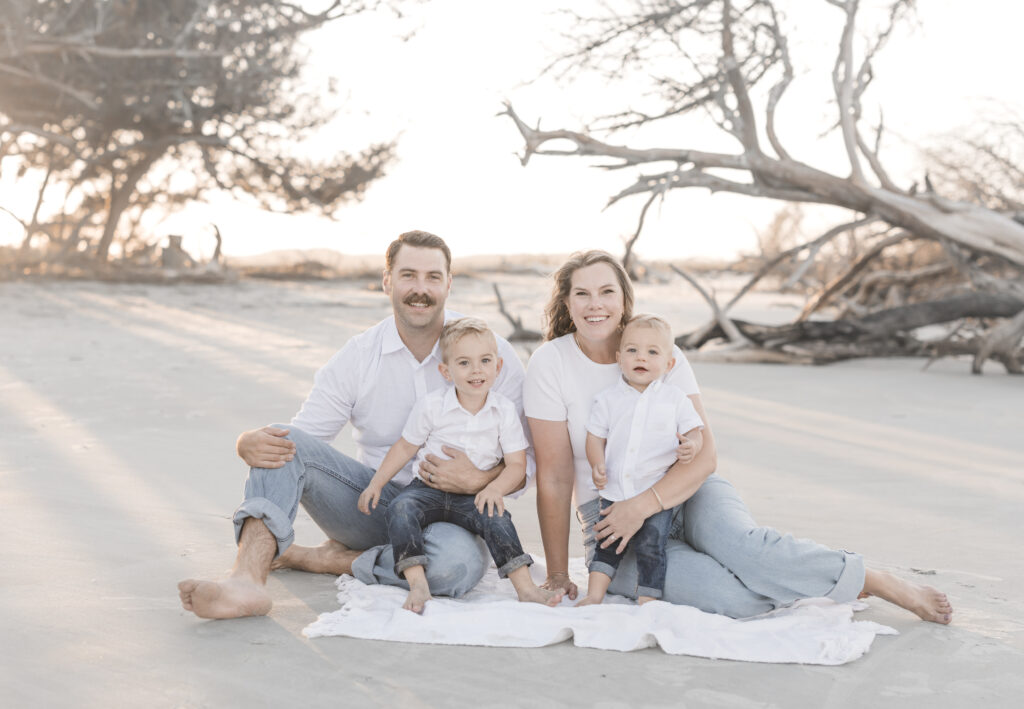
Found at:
(457, 173)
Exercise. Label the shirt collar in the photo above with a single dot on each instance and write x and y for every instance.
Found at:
(392, 341)
(625, 386)
(451, 401)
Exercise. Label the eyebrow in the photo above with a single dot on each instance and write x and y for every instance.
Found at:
(606, 285)
(429, 273)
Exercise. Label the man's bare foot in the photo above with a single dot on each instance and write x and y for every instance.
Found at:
(926, 602)
(589, 601)
(418, 596)
(541, 595)
(331, 557)
(234, 597)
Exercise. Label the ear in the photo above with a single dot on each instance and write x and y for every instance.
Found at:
(385, 282)
(443, 369)
(617, 357)
(501, 362)
(671, 363)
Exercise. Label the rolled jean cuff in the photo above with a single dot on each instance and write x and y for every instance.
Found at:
(401, 566)
(513, 564)
(602, 568)
(851, 580)
(648, 591)
(274, 517)
(365, 563)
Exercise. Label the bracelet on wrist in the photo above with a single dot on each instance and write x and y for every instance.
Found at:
(658, 498)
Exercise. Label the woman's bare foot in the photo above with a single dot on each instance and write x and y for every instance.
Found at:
(540, 595)
(926, 602)
(589, 601)
(331, 557)
(234, 597)
(418, 596)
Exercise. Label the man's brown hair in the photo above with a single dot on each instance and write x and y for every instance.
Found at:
(421, 239)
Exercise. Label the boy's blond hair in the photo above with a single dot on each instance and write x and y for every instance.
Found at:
(652, 321)
(455, 330)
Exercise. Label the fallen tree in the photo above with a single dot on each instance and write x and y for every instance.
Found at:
(914, 246)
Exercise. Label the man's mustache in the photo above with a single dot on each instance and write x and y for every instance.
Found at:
(419, 299)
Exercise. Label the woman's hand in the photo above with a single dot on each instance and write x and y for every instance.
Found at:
(560, 581)
(620, 521)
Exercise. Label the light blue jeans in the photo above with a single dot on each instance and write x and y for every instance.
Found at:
(720, 561)
(328, 483)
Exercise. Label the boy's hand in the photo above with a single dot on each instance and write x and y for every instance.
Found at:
(369, 499)
(491, 499)
(687, 449)
(600, 474)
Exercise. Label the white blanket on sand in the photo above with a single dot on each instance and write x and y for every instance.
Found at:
(814, 631)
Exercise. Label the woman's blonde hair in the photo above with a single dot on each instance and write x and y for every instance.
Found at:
(557, 319)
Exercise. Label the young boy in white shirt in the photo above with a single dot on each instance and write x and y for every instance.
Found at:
(632, 442)
(484, 424)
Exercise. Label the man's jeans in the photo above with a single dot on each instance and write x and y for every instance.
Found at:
(419, 505)
(721, 561)
(328, 483)
(648, 545)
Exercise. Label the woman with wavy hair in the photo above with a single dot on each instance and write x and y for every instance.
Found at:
(719, 559)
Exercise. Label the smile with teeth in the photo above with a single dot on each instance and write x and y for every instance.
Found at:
(596, 318)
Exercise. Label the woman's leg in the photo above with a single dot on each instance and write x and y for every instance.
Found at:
(691, 578)
(778, 566)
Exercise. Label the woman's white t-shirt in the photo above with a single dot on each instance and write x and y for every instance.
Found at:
(561, 383)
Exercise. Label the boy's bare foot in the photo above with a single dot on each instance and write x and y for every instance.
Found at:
(645, 599)
(541, 595)
(234, 597)
(926, 602)
(589, 601)
(331, 557)
(418, 596)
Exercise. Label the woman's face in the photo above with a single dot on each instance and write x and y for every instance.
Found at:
(595, 302)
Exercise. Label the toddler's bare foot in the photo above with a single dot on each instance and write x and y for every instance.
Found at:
(645, 599)
(331, 557)
(234, 597)
(926, 602)
(417, 598)
(541, 595)
(589, 601)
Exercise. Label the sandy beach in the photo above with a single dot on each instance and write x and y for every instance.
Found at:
(120, 405)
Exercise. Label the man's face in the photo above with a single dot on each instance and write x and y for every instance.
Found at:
(418, 285)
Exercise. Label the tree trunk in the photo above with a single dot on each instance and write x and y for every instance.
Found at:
(120, 199)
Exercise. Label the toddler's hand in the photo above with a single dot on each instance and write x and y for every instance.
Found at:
(687, 449)
(491, 499)
(600, 474)
(369, 499)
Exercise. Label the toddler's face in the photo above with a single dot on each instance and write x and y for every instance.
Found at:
(645, 354)
(472, 364)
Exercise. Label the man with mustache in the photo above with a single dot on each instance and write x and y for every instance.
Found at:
(372, 382)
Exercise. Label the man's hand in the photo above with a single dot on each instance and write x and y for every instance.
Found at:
(457, 475)
(369, 498)
(265, 447)
(600, 474)
(491, 499)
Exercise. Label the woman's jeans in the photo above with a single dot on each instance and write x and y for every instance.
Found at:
(328, 484)
(419, 505)
(720, 561)
(647, 545)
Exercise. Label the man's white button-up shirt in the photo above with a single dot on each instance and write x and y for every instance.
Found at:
(640, 430)
(374, 381)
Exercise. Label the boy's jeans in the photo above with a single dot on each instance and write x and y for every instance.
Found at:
(649, 546)
(419, 505)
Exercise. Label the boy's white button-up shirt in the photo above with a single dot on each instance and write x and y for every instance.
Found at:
(438, 419)
(640, 430)
(374, 381)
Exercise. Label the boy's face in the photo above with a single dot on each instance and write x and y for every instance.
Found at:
(645, 354)
(472, 364)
